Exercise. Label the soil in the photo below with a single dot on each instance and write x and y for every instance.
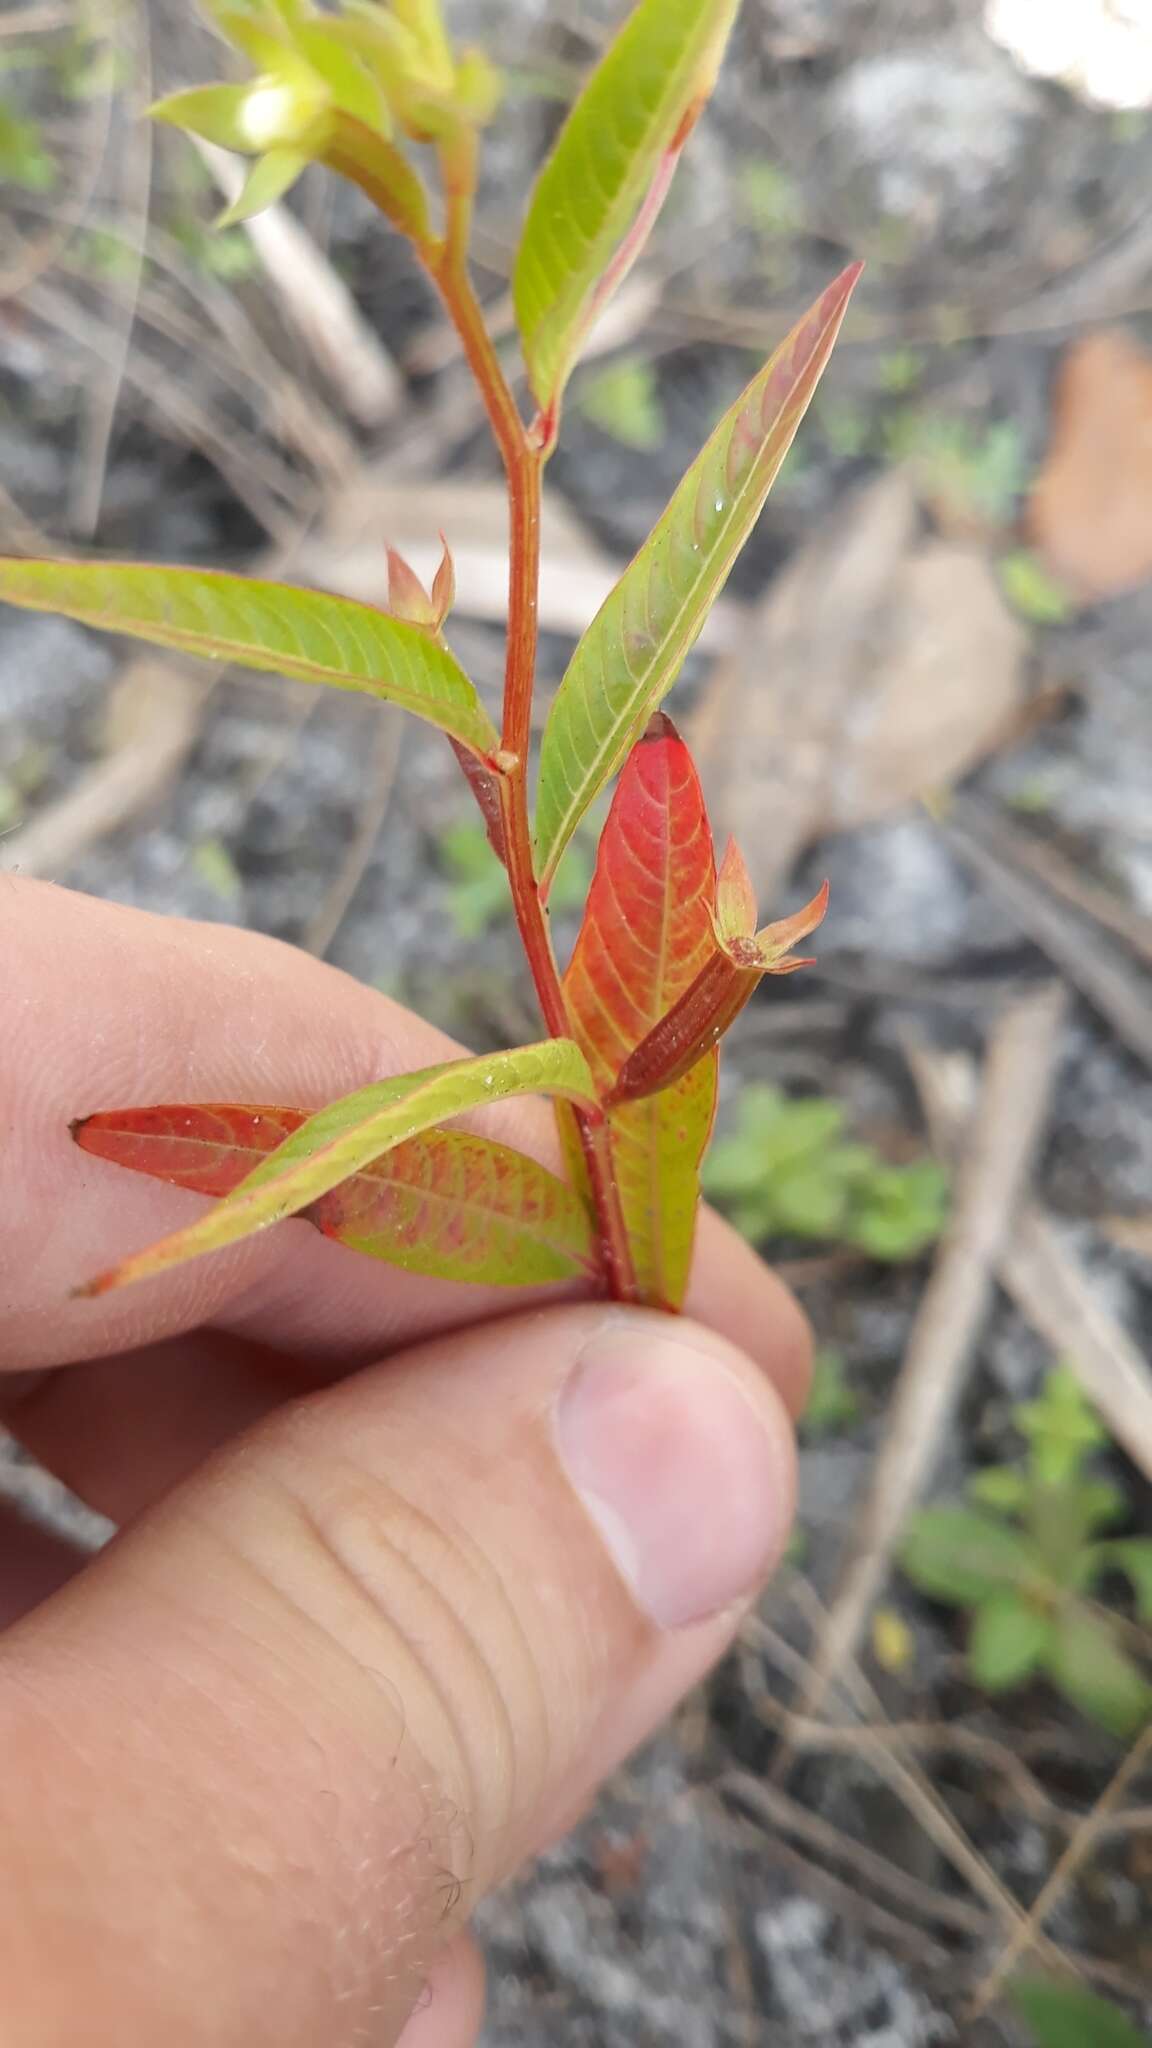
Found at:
(1000, 218)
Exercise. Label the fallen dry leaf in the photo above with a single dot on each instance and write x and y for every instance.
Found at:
(880, 668)
(1090, 512)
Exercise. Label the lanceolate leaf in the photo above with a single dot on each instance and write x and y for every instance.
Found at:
(304, 633)
(612, 162)
(351, 1135)
(633, 651)
(447, 1203)
(647, 929)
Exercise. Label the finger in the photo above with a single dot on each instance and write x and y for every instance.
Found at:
(120, 1432)
(111, 1006)
(34, 1562)
(279, 1737)
(449, 2012)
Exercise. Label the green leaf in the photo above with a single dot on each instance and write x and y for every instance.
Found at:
(1133, 1556)
(954, 1554)
(268, 180)
(1003, 1487)
(633, 651)
(384, 173)
(214, 112)
(607, 176)
(349, 1135)
(1062, 1427)
(1085, 1660)
(898, 1210)
(1008, 1640)
(304, 633)
(1064, 2015)
(354, 90)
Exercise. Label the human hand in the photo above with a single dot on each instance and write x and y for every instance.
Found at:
(408, 1567)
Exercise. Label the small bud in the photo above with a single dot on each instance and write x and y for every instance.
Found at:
(407, 597)
(718, 994)
(444, 585)
(735, 897)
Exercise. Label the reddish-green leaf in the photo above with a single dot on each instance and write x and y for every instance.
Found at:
(634, 649)
(448, 1203)
(596, 198)
(350, 1135)
(647, 929)
(305, 633)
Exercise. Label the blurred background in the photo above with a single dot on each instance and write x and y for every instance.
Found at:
(928, 1767)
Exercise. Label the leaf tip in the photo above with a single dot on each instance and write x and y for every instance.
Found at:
(735, 896)
(778, 939)
(91, 1290)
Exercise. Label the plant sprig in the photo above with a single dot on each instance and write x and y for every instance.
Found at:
(669, 949)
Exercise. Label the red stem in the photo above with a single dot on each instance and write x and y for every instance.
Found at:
(523, 467)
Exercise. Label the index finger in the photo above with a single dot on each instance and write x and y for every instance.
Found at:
(108, 1007)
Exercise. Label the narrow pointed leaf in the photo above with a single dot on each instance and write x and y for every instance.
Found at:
(646, 931)
(449, 1204)
(634, 649)
(616, 151)
(352, 1134)
(407, 597)
(305, 633)
(384, 173)
(270, 177)
(735, 896)
(215, 112)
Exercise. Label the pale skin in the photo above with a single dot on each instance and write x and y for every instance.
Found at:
(406, 1568)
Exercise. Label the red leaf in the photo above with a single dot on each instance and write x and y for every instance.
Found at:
(447, 1203)
(207, 1147)
(647, 932)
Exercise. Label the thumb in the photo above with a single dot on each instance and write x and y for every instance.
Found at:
(264, 1755)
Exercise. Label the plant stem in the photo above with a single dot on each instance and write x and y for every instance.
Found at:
(523, 467)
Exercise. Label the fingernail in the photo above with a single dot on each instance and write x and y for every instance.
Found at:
(686, 1473)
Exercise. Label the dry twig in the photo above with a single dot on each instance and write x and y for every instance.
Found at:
(1031, 1931)
(992, 1176)
(1045, 1279)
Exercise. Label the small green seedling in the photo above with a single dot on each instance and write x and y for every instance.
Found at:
(788, 1171)
(1025, 1560)
(1064, 2015)
(669, 949)
(978, 473)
